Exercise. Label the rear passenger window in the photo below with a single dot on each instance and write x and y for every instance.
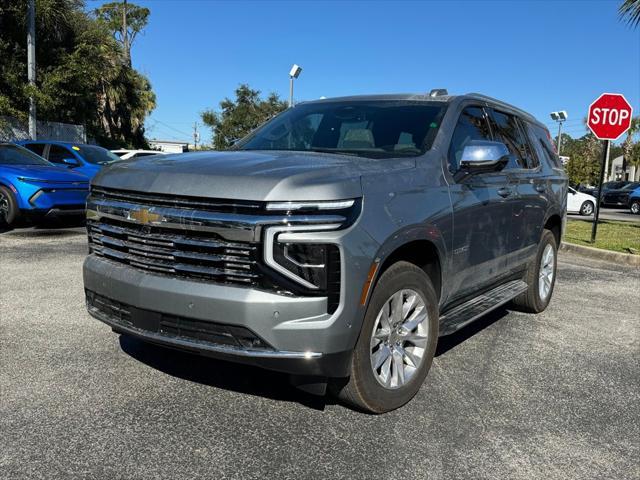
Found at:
(543, 146)
(508, 131)
(57, 154)
(472, 125)
(37, 148)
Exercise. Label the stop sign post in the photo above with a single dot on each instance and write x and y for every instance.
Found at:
(609, 117)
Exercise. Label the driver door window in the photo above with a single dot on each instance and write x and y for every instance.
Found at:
(57, 154)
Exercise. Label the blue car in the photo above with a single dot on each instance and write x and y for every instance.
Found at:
(634, 201)
(81, 158)
(32, 187)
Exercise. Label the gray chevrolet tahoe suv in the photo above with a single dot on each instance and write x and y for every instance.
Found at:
(336, 242)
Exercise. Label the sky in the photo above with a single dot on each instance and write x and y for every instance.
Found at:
(541, 56)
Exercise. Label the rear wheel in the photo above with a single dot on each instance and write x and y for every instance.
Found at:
(8, 207)
(586, 208)
(635, 207)
(540, 276)
(397, 341)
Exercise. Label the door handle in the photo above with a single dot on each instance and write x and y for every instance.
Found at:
(504, 192)
(540, 188)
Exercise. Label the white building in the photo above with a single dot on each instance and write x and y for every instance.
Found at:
(169, 146)
(631, 173)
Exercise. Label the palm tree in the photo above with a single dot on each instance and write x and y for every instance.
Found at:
(627, 145)
(629, 11)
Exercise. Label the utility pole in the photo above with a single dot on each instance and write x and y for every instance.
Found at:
(31, 66)
(125, 34)
(196, 136)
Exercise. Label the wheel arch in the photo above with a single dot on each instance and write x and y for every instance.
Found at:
(554, 223)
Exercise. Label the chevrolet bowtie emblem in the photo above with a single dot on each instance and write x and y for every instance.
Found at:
(144, 216)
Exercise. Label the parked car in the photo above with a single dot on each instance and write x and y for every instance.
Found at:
(578, 202)
(634, 201)
(619, 197)
(128, 154)
(32, 187)
(606, 186)
(81, 158)
(336, 242)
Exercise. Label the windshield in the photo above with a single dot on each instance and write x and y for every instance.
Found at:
(631, 186)
(16, 155)
(375, 129)
(96, 155)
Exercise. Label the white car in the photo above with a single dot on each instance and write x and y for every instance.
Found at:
(129, 154)
(578, 202)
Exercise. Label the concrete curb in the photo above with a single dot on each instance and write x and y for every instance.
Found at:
(600, 254)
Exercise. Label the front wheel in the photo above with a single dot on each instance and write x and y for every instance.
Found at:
(8, 207)
(540, 276)
(635, 207)
(397, 342)
(586, 208)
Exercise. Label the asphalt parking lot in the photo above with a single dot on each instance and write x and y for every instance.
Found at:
(619, 214)
(512, 396)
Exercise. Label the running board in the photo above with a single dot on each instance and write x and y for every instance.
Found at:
(456, 318)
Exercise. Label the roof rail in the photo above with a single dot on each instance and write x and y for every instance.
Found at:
(487, 98)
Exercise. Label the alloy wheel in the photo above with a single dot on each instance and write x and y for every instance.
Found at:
(635, 207)
(587, 208)
(546, 272)
(399, 339)
(4, 206)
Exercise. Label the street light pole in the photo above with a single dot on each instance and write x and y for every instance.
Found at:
(290, 91)
(31, 66)
(293, 74)
(559, 141)
(559, 117)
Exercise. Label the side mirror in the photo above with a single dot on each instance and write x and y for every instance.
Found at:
(484, 156)
(70, 162)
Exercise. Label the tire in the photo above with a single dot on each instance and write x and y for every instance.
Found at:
(533, 301)
(8, 207)
(635, 207)
(586, 208)
(365, 389)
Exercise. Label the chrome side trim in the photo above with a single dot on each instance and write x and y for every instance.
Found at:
(191, 344)
(269, 238)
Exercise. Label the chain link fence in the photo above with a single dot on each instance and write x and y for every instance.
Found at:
(13, 130)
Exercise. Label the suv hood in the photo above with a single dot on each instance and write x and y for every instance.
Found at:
(248, 175)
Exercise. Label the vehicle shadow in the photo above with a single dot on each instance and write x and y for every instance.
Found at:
(44, 228)
(449, 342)
(217, 373)
(252, 380)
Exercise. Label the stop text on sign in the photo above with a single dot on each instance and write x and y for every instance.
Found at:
(609, 116)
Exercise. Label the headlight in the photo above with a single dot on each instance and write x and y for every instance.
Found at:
(308, 264)
(298, 206)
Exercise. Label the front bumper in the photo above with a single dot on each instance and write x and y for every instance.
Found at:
(302, 337)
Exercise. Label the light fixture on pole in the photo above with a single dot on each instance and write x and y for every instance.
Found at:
(559, 117)
(294, 73)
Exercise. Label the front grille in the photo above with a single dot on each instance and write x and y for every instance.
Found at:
(171, 325)
(175, 252)
(176, 201)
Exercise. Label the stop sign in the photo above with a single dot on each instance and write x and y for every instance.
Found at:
(609, 116)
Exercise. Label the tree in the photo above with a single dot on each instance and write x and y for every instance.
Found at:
(629, 11)
(125, 20)
(81, 77)
(628, 145)
(240, 116)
